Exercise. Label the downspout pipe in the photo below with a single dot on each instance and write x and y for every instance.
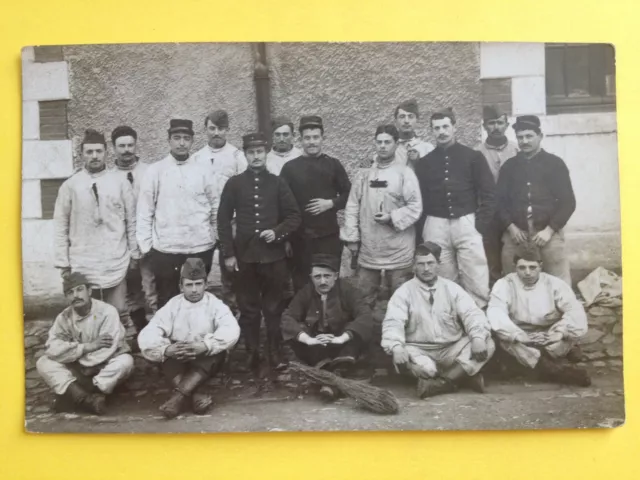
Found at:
(263, 88)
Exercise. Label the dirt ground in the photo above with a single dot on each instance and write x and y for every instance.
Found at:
(513, 404)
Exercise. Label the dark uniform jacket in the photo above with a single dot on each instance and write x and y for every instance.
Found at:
(456, 182)
(261, 201)
(346, 311)
(540, 185)
(322, 177)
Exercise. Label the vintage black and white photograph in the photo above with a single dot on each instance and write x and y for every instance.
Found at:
(241, 237)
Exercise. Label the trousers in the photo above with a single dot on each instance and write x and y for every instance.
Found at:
(553, 254)
(462, 259)
(260, 289)
(141, 288)
(58, 376)
(115, 296)
(428, 362)
(528, 356)
(303, 248)
(492, 241)
(166, 269)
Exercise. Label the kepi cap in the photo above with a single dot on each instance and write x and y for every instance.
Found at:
(325, 260)
(527, 122)
(193, 269)
(73, 280)
(178, 125)
(257, 139)
(310, 121)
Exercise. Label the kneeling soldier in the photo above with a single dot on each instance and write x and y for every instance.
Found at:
(86, 353)
(434, 329)
(538, 319)
(190, 335)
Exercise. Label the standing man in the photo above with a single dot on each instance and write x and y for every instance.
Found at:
(266, 214)
(190, 336)
(497, 149)
(320, 186)
(282, 149)
(538, 319)
(141, 285)
(535, 201)
(458, 198)
(86, 355)
(383, 205)
(177, 211)
(435, 331)
(225, 161)
(95, 225)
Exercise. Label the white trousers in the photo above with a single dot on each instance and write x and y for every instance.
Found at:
(59, 376)
(463, 259)
(529, 356)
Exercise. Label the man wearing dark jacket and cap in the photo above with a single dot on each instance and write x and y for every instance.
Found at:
(266, 214)
(328, 323)
(321, 187)
(535, 201)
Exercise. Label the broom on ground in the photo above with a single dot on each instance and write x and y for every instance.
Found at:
(367, 396)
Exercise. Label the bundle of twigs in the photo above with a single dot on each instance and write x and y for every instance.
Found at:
(367, 396)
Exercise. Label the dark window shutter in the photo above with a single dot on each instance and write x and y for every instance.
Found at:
(53, 120)
(497, 92)
(48, 54)
(48, 195)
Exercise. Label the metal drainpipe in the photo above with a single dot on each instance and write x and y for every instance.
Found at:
(263, 88)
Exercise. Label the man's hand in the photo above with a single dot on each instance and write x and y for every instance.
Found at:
(400, 355)
(479, 350)
(268, 235)
(413, 154)
(65, 272)
(341, 339)
(103, 341)
(318, 206)
(353, 247)
(181, 351)
(231, 264)
(382, 218)
(522, 337)
(321, 339)
(517, 235)
(288, 250)
(537, 339)
(542, 237)
(133, 264)
(553, 338)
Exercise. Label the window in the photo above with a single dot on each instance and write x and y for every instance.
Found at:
(580, 77)
(48, 195)
(53, 120)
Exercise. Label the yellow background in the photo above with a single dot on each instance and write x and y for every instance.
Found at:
(470, 455)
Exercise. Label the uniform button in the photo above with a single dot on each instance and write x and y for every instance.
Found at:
(529, 184)
(255, 196)
(256, 205)
(257, 214)
(257, 231)
(451, 215)
(446, 179)
(449, 194)
(256, 187)
(446, 171)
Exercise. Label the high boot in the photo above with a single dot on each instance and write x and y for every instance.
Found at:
(276, 358)
(177, 403)
(252, 344)
(550, 370)
(90, 402)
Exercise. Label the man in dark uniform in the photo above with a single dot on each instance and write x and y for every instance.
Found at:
(535, 201)
(320, 186)
(458, 206)
(266, 214)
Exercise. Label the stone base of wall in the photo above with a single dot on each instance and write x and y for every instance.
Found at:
(601, 347)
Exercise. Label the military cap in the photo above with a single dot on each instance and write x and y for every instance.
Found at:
(310, 121)
(527, 122)
(220, 118)
(193, 269)
(257, 139)
(491, 112)
(177, 125)
(281, 121)
(325, 260)
(410, 106)
(73, 280)
(429, 248)
(93, 136)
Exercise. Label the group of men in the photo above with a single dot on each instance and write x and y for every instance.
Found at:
(137, 240)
